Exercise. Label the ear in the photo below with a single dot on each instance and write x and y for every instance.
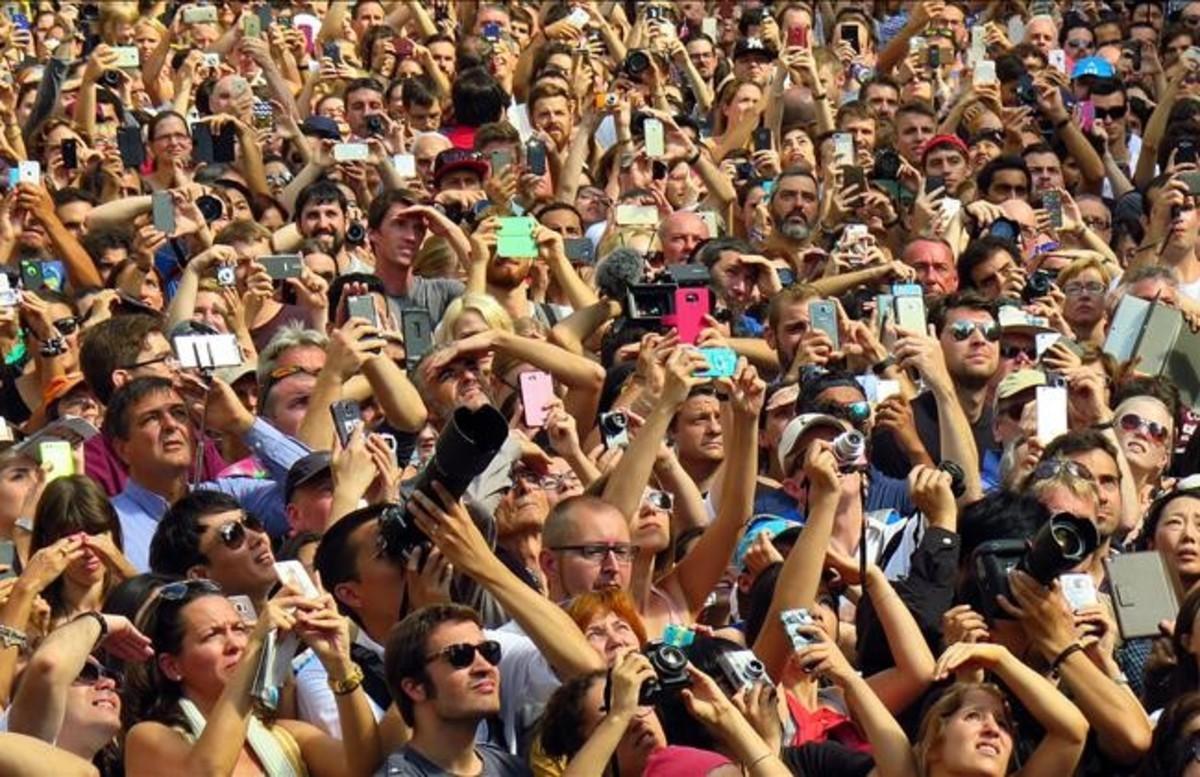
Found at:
(120, 377)
(120, 448)
(197, 572)
(348, 594)
(169, 666)
(548, 563)
(414, 689)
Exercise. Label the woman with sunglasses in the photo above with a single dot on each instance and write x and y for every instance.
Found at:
(68, 698)
(77, 506)
(189, 710)
(1145, 428)
(51, 322)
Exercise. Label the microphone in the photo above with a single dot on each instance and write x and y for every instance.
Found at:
(616, 272)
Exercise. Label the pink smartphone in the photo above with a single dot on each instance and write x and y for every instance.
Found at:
(692, 304)
(537, 391)
(1087, 115)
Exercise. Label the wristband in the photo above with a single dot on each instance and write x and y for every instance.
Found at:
(99, 620)
(1058, 661)
(883, 365)
(12, 638)
(694, 158)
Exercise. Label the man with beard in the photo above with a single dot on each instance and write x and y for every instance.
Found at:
(550, 112)
(960, 365)
(794, 209)
(506, 280)
(321, 216)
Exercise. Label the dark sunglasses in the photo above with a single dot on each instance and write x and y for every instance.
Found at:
(1052, 468)
(1116, 112)
(1132, 422)
(462, 655)
(66, 326)
(660, 500)
(962, 330)
(233, 534)
(1013, 351)
(93, 672)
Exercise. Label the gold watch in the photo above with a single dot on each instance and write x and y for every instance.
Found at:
(343, 687)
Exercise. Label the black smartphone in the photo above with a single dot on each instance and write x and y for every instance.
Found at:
(933, 183)
(129, 144)
(334, 52)
(934, 56)
(70, 153)
(535, 156)
(202, 144)
(762, 139)
(346, 416)
(849, 33)
(417, 325)
(224, 150)
(362, 306)
(579, 250)
(852, 175)
(31, 275)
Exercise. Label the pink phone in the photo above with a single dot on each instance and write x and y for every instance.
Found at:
(1087, 115)
(537, 391)
(692, 304)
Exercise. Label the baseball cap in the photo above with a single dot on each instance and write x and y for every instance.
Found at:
(1093, 66)
(457, 159)
(321, 127)
(306, 470)
(796, 429)
(748, 46)
(233, 374)
(1013, 320)
(1016, 382)
(772, 525)
(938, 141)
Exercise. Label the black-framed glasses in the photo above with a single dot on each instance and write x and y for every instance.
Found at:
(1132, 422)
(1052, 468)
(93, 672)
(233, 533)
(168, 359)
(962, 330)
(462, 654)
(596, 552)
(1013, 351)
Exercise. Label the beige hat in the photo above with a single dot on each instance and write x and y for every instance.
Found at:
(1016, 382)
(796, 429)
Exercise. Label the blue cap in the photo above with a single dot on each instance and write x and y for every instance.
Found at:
(1093, 66)
(771, 525)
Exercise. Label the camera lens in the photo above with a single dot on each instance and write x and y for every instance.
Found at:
(636, 63)
(668, 658)
(356, 234)
(848, 448)
(110, 78)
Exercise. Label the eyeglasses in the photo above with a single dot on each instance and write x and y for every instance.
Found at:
(1078, 289)
(857, 412)
(962, 330)
(548, 482)
(279, 180)
(462, 655)
(1012, 411)
(659, 500)
(596, 552)
(1014, 351)
(1079, 43)
(180, 589)
(66, 326)
(1098, 224)
(1132, 422)
(233, 534)
(168, 359)
(1052, 468)
(1116, 112)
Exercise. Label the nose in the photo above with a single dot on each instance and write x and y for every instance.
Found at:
(105, 684)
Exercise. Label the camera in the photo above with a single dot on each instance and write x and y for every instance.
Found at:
(226, 276)
(887, 165)
(465, 448)
(614, 424)
(670, 670)
(739, 669)
(210, 207)
(111, 79)
(356, 233)
(636, 63)
(1037, 285)
(850, 450)
(650, 302)
(374, 124)
(1061, 544)
(1027, 91)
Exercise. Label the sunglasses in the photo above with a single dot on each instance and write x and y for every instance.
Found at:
(462, 655)
(1052, 468)
(1132, 422)
(93, 672)
(659, 500)
(180, 589)
(1013, 351)
(66, 326)
(233, 534)
(1116, 112)
(962, 330)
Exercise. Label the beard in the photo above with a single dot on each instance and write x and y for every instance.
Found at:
(507, 274)
(793, 228)
(330, 242)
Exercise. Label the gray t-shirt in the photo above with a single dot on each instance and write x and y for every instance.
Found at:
(410, 763)
(432, 294)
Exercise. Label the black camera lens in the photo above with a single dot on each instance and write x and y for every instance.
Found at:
(1037, 285)
(210, 207)
(670, 672)
(636, 63)
(374, 124)
(887, 165)
(1060, 545)
(356, 233)
(111, 79)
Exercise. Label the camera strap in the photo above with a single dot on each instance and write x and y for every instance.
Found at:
(198, 469)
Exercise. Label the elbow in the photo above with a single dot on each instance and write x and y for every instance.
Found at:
(45, 669)
(1130, 743)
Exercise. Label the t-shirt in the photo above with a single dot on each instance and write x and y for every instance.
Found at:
(432, 294)
(887, 456)
(410, 763)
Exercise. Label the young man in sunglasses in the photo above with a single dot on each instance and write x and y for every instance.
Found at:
(207, 534)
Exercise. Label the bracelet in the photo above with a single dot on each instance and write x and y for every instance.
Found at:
(694, 158)
(349, 685)
(99, 619)
(54, 346)
(12, 638)
(1066, 653)
(758, 760)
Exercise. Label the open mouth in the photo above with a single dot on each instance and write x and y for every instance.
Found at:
(988, 749)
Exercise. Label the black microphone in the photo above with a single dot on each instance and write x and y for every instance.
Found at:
(616, 272)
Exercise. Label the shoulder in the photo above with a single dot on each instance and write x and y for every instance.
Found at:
(151, 742)
(303, 732)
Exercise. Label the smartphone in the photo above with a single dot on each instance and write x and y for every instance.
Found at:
(762, 139)
(8, 559)
(351, 152)
(163, 209)
(224, 150)
(1051, 413)
(492, 32)
(537, 391)
(362, 306)
(655, 144)
(1058, 60)
(692, 304)
(1087, 115)
(884, 312)
(978, 42)
(722, 363)
(207, 351)
(202, 144)
(984, 73)
(265, 17)
(579, 250)
(637, 216)
(293, 575)
(405, 164)
(69, 149)
(910, 313)
(933, 57)
(282, 266)
(1079, 590)
(200, 14)
(1052, 202)
(535, 156)
(1145, 592)
(263, 115)
(31, 275)
(843, 149)
(57, 459)
(933, 183)
(417, 326)
(333, 51)
(346, 416)
(849, 33)
(614, 426)
(30, 172)
(797, 37)
(579, 17)
(853, 175)
(244, 608)
(127, 57)
(251, 26)
(499, 160)
(514, 239)
(822, 316)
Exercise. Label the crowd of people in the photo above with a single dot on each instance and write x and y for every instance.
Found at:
(578, 387)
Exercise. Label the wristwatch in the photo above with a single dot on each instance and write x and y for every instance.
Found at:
(343, 687)
(54, 346)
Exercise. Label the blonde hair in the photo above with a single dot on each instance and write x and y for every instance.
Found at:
(484, 305)
(933, 725)
(1081, 265)
(1077, 486)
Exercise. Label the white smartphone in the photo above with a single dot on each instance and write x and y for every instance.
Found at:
(655, 144)
(127, 57)
(405, 164)
(244, 608)
(1051, 413)
(579, 17)
(886, 388)
(1043, 340)
(984, 73)
(1079, 590)
(1058, 60)
(350, 152)
(843, 149)
(30, 172)
(295, 576)
(637, 215)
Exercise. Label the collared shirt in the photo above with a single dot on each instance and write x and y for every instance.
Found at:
(102, 464)
(140, 509)
(315, 701)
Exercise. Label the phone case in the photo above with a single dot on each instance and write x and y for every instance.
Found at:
(405, 164)
(70, 154)
(579, 250)
(535, 156)
(163, 209)
(637, 215)
(223, 145)
(762, 139)
(722, 363)
(692, 304)
(1144, 592)
(346, 415)
(655, 144)
(57, 458)
(1051, 413)
(822, 316)
(351, 152)
(8, 555)
(282, 266)
(418, 333)
(202, 145)
(362, 306)
(910, 313)
(537, 390)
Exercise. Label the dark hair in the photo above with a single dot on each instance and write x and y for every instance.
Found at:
(175, 547)
(978, 252)
(359, 84)
(709, 253)
(112, 345)
(407, 648)
(1078, 441)
(380, 206)
(70, 194)
(68, 505)
(117, 415)
(97, 241)
(968, 300)
(1170, 747)
(1000, 163)
(478, 98)
(291, 547)
(319, 192)
(335, 558)
(418, 91)
(129, 596)
(561, 728)
(540, 213)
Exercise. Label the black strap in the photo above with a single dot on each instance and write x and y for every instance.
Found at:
(374, 681)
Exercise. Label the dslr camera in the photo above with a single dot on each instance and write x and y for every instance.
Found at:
(670, 670)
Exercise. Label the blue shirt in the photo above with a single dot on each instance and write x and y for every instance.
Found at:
(140, 510)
